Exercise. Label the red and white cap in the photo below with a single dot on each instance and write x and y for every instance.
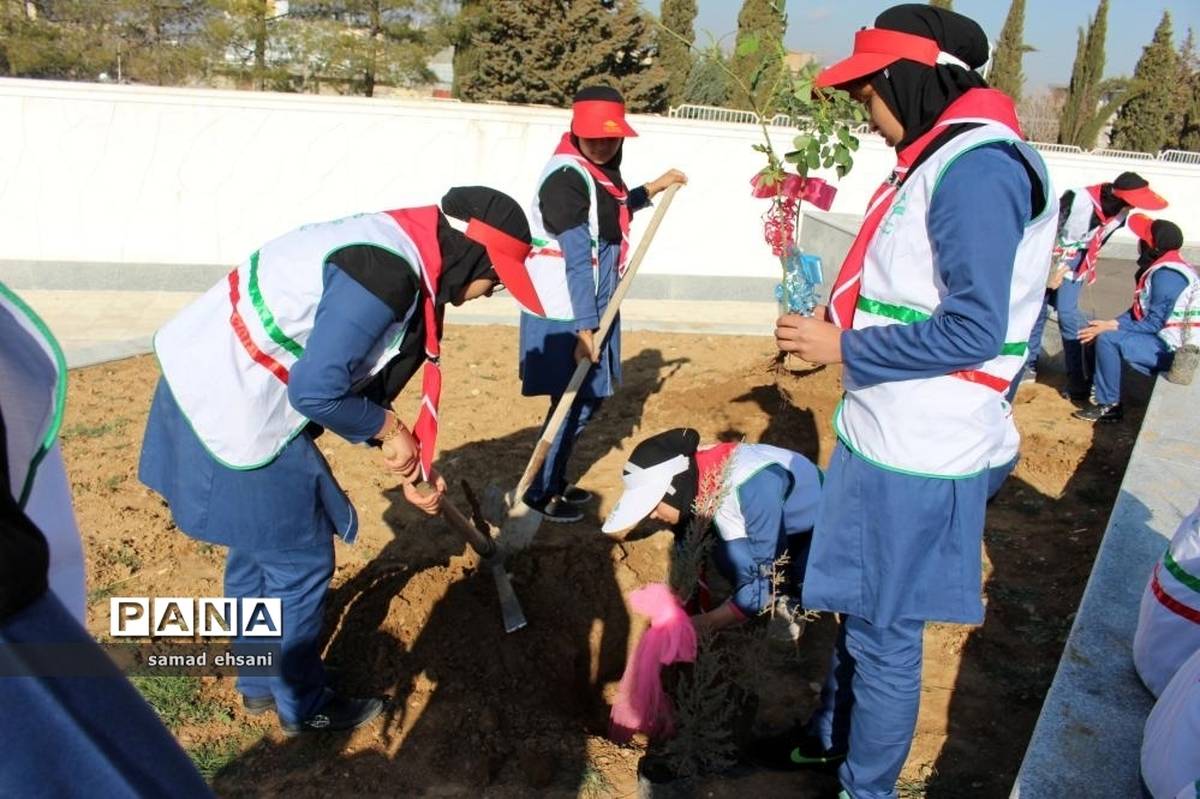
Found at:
(876, 49)
(598, 112)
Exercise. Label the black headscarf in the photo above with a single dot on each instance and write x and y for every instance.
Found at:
(918, 94)
(464, 260)
(564, 205)
(1167, 236)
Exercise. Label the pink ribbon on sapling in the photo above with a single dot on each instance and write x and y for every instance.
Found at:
(811, 190)
(642, 705)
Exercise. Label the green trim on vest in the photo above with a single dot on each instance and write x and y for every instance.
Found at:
(1177, 571)
(264, 313)
(192, 427)
(1016, 144)
(908, 315)
(60, 390)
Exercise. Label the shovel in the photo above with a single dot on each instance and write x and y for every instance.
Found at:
(521, 521)
(481, 537)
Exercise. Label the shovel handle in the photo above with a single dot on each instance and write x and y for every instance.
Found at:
(542, 448)
(481, 542)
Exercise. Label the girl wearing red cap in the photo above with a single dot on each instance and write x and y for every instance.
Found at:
(318, 330)
(929, 316)
(1087, 219)
(1165, 313)
(580, 223)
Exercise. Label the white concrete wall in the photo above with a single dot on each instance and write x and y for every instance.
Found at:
(142, 175)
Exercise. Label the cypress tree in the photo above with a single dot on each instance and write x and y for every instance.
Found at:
(543, 51)
(1149, 121)
(708, 83)
(758, 56)
(675, 56)
(946, 4)
(1188, 137)
(1006, 74)
(1079, 111)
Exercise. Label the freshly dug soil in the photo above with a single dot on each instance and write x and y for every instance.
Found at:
(476, 712)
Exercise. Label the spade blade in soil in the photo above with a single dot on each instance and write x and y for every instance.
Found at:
(510, 606)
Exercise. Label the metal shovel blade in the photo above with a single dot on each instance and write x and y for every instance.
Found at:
(510, 606)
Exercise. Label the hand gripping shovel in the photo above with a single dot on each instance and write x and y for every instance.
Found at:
(481, 537)
(521, 522)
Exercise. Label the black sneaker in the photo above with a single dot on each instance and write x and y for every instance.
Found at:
(795, 751)
(257, 705)
(1101, 413)
(574, 495)
(338, 714)
(556, 510)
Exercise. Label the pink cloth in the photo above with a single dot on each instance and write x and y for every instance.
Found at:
(642, 705)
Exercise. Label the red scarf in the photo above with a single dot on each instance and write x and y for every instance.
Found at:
(1087, 266)
(1139, 313)
(421, 226)
(566, 147)
(974, 105)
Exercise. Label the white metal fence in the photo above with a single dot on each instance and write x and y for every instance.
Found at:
(708, 113)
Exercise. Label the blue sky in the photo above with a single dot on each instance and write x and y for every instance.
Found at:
(826, 27)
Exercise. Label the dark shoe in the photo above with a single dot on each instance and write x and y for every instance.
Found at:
(795, 751)
(257, 705)
(1101, 413)
(557, 511)
(574, 495)
(338, 714)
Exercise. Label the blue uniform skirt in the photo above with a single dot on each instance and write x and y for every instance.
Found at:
(548, 346)
(294, 501)
(890, 546)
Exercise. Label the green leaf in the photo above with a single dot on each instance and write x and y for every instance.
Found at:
(841, 155)
(853, 143)
(842, 170)
(828, 162)
(843, 135)
(814, 160)
(801, 141)
(748, 45)
(796, 157)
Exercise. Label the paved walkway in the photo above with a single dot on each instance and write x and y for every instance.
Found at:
(95, 326)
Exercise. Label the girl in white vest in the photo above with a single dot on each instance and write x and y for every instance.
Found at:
(1087, 219)
(767, 511)
(1171, 742)
(319, 329)
(929, 316)
(580, 220)
(63, 736)
(1168, 629)
(1165, 313)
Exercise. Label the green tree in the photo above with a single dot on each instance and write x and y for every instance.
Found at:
(1084, 94)
(1006, 74)
(708, 82)
(1150, 120)
(947, 4)
(362, 44)
(162, 41)
(1188, 137)
(250, 39)
(677, 17)
(758, 55)
(461, 30)
(543, 51)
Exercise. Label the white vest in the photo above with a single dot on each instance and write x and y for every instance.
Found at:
(747, 461)
(1077, 231)
(227, 356)
(33, 391)
(1166, 636)
(948, 426)
(1185, 316)
(546, 264)
(1171, 742)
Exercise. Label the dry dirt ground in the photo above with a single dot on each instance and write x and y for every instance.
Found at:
(475, 712)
